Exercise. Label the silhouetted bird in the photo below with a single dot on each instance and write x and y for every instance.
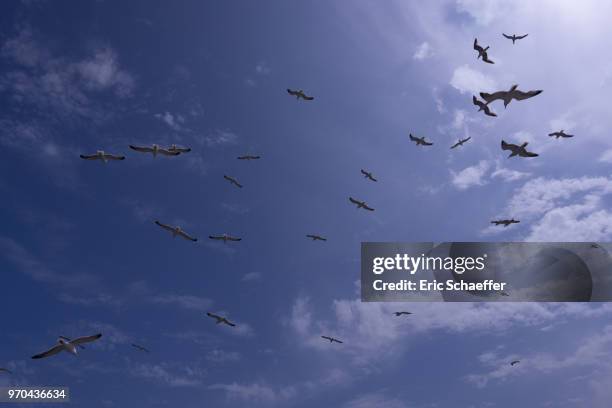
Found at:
(176, 149)
(233, 181)
(507, 96)
(248, 157)
(420, 141)
(140, 348)
(220, 319)
(316, 237)
(368, 175)
(224, 238)
(360, 204)
(460, 142)
(482, 52)
(514, 37)
(300, 94)
(155, 149)
(331, 339)
(559, 134)
(517, 150)
(402, 313)
(176, 231)
(483, 107)
(101, 155)
(515, 362)
(505, 223)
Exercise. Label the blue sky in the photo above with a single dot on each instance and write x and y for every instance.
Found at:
(80, 254)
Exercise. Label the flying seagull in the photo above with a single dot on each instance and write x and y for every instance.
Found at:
(368, 175)
(360, 204)
(505, 223)
(176, 231)
(331, 339)
(224, 238)
(82, 347)
(517, 150)
(233, 181)
(5, 370)
(69, 346)
(482, 107)
(420, 140)
(100, 155)
(155, 149)
(140, 348)
(299, 94)
(220, 319)
(559, 134)
(402, 313)
(515, 362)
(482, 52)
(176, 149)
(248, 157)
(507, 96)
(316, 237)
(460, 142)
(514, 37)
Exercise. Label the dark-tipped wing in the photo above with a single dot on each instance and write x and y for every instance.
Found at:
(114, 157)
(414, 139)
(229, 323)
(307, 98)
(214, 316)
(520, 37)
(529, 154)
(424, 143)
(52, 351)
(352, 200)
(456, 145)
(89, 156)
(508, 146)
(292, 92)
(168, 152)
(507, 36)
(520, 95)
(164, 226)
(476, 46)
(486, 59)
(86, 339)
(367, 207)
(187, 236)
(466, 139)
(139, 347)
(236, 239)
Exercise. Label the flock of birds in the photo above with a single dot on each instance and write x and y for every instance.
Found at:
(72, 345)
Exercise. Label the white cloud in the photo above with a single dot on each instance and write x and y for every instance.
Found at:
(222, 356)
(170, 120)
(471, 81)
(102, 72)
(165, 374)
(423, 51)
(471, 176)
(508, 174)
(188, 302)
(375, 401)
(251, 276)
(606, 156)
(256, 393)
(220, 138)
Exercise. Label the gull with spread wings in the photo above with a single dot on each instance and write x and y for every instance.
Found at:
(316, 237)
(220, 319)
(140, 348)
(505, 223)
(368, 175)
(232, 181)
(559, 134)
(176, 231)
(176, 149)
(514, 37)
(517, 150)
(248, 157)
(508, 96)
(420, 141)
(101, 155)
(155, 149)
(224, 238)
(300, 94)
(332, 340)
(360, 204)
(460, 142)
(68, 346)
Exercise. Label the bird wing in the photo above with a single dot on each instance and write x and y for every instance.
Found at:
(366, 207)
(352, 200)
(164, 226)
(52, 351)
(424, 143)
(508, 146)
(455, 145)
(507, 36)
(308, 98)
(114, 157)
(476, 102)
(291, 92)
(5, 370)
(530, 154)
(486, 59)
(181, 149)
(553, 134)
(215, 237)
(187, 236)
(234, 239)
(86, 339)
(520, 95)
(327, 338)
(142, 149)
(521, 37)
(491, 97)
(214, 316)
(229, 323)
(414, 139)
(488, 112)
(466, 139)
(338, 341)
(476, 46)
(89, 156)
(168, 152)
